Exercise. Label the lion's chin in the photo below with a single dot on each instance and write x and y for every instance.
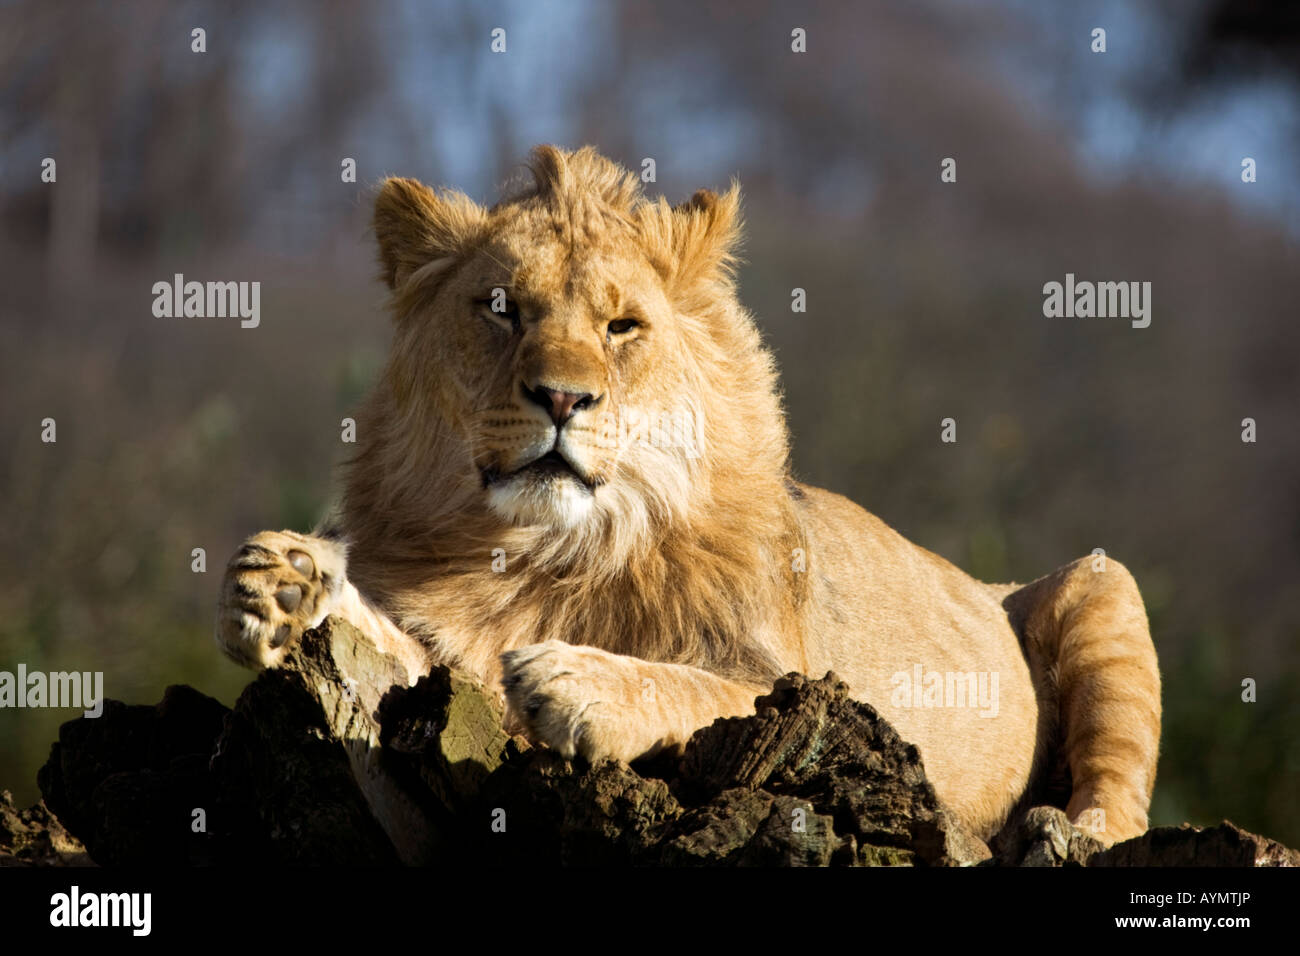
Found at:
(553, 501)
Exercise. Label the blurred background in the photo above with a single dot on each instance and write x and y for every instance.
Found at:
(924, 298)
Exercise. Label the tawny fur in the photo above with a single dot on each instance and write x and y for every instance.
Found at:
(672, 574)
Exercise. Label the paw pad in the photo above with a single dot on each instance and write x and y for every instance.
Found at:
(289, 597)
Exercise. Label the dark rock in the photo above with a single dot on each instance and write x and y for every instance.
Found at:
(34, 837)
(1045, 837)
(810, 740)
(136, 770)
(715, 835)
(541, 809)
(284, 777)
(337, 758)
(1224, 845)
(447, 731)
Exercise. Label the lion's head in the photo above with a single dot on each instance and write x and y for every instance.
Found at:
(573, 359)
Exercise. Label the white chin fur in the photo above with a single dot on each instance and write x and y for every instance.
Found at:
(557, 503)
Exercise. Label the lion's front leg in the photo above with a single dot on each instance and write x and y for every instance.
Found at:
(281, 583)
(585, 701)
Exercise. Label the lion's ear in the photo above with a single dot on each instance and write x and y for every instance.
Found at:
(416, 226)
(705, 234)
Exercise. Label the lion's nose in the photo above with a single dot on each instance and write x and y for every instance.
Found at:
(559, 404)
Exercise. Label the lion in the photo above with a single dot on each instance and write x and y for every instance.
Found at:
(572, 481)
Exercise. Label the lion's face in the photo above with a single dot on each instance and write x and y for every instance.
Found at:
(550, 344)
(565, 372)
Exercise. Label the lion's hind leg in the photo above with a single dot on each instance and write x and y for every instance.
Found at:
(1085, 626)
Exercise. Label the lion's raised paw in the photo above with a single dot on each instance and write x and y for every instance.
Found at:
(278, 585)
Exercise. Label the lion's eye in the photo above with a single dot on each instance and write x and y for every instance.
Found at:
(621, 326)
(502, 311)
